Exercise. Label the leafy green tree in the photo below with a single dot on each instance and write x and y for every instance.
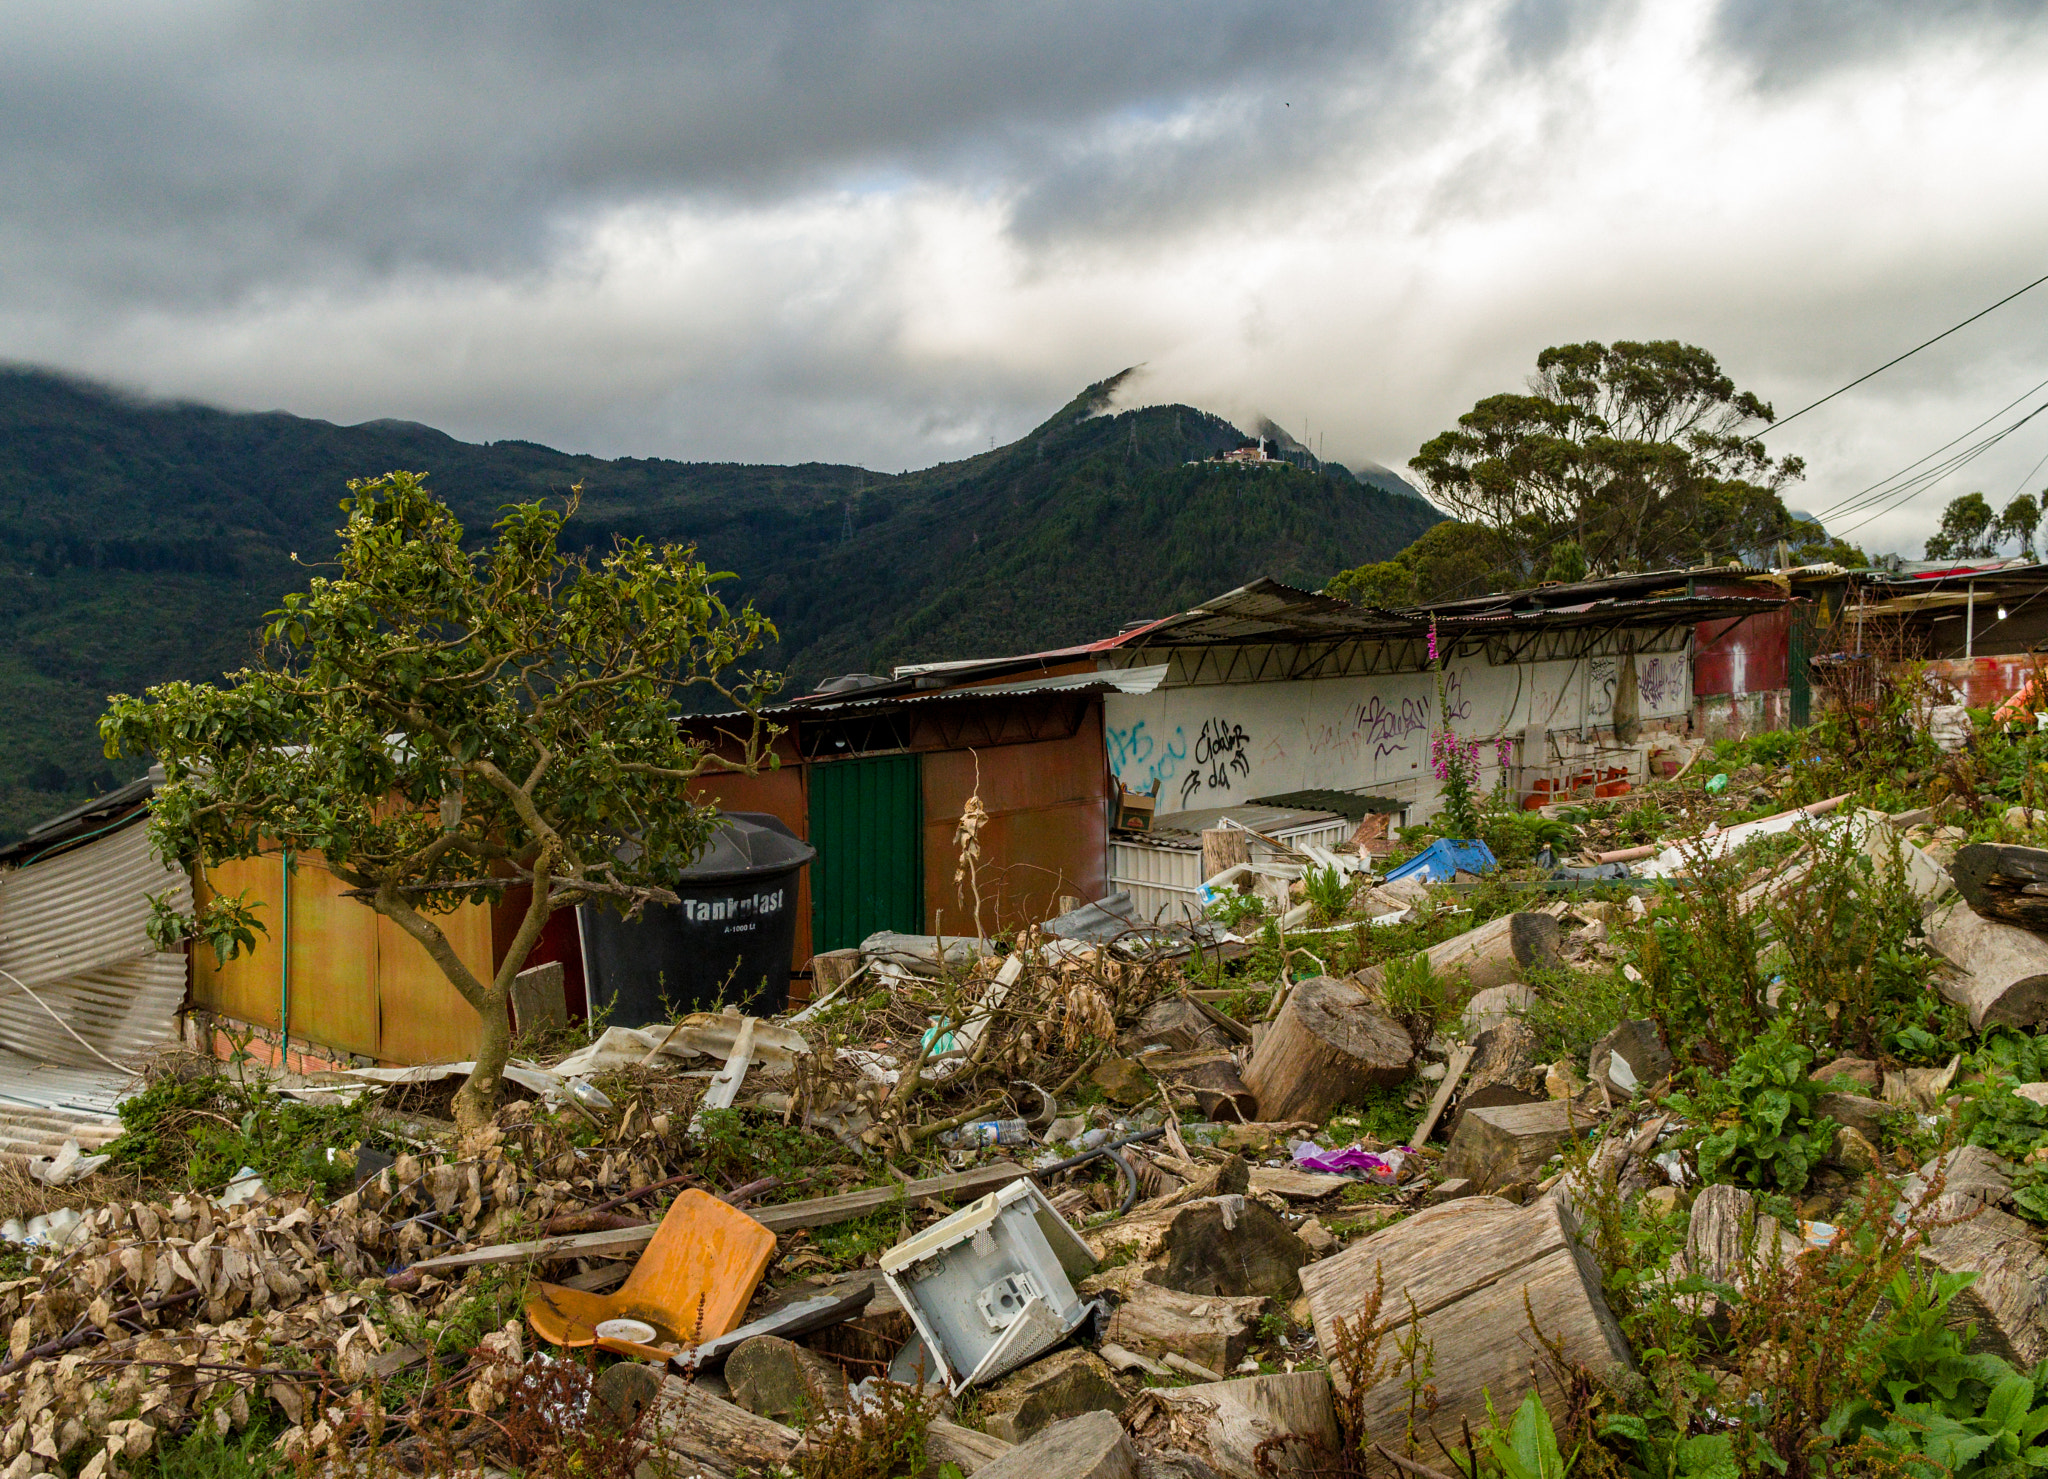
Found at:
(1644, 454)
(2021, 518)
(1386, 583)
(435, 726)
(1968, 530)
(1450, 560)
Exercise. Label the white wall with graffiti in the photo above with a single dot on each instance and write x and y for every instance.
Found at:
(1220, 744)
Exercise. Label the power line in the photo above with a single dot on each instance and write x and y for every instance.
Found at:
(1859, 498)
(1906, 356)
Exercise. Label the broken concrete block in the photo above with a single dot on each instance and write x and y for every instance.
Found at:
(1470, 1275)
(1231, 1245)
(1224, 1423)
(2006, 1300)
(1063, 1385)
(1496, 1004)
(1091, 1446)
(1861, 1071)
(1511, 1145)
(2001, 970)
(1630, 1058)
(779, 1379)
(1500, 951)
(1212, 1330)
(1327, 1047)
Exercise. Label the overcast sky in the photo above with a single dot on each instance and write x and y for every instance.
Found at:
(886, 233)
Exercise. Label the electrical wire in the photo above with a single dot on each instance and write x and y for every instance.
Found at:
(124, 1068)
(1847, 505)
(1921, 483)
(1782, 420)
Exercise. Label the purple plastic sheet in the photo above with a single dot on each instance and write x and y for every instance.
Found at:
(1352, 1160)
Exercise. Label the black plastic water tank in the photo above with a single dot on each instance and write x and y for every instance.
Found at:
(730, 932)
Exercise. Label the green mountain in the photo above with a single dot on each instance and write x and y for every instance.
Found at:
(144, 541)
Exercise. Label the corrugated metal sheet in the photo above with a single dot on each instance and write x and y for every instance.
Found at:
(73, 929)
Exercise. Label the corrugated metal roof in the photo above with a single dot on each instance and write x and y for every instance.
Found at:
(73, 930)
(1126, 680)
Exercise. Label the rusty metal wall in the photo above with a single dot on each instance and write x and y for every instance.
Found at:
(1983, 682)
(1747, 655)
(1047, 834)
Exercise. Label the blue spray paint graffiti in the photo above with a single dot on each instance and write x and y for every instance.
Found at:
(1139, 759)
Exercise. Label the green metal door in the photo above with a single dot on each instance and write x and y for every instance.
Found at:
(1798, 644)
(867, 823)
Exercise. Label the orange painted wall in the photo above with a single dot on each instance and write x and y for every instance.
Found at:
(358, 983)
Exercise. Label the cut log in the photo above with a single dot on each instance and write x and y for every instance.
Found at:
(1297, 1185)
(539, 1000)
(2001, 975)
(1496, 1004)
(1213, 1329)
(1454, 1074)
(1211, 1076)
(830, 970)
(2004, 882)
(2005, 1301)
(1512, 1145)
(1231, 1245)
(949, 1443)
(1177, 1022)
(1091, 1446)
(1728, 1238)
(1499, 952)
(1061, 1386)
(718, 1436)
(1328, 1046)
(1224, 848)
(1629, 1059)
(1471, 1275)
(1223, 1423)
(779, 1379)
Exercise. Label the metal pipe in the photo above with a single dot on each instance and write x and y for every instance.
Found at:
(284, 968)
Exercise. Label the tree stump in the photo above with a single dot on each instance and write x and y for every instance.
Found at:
(1234, 1246)
(1511, 1145)
(2001, 974)
(1327, 1047)
(1224, 848)
(2004, 882)
(1211, 1076)
(1224, 1423)
(1091, 1446)
(703, 1430)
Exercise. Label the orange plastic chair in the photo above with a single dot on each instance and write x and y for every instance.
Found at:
(693, 1283)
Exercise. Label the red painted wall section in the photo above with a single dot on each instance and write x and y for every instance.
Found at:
(1983, 682)
(1750, 654)
(1047, 833)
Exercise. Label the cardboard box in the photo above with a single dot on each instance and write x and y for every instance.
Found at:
(1134, 810)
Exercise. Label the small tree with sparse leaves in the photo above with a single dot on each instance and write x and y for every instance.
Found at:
(437, 725)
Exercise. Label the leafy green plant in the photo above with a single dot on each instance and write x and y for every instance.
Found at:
(201, 1131)
(1993, 1116)
(1232, 908)
(1757, 1125)
(1527, 1447)
(1938, 1408)
(1415, 995)
(1328, 891)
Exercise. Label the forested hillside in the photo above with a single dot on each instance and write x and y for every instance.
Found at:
(144, 541)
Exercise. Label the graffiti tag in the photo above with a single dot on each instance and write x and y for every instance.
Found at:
(1220, 749)
(1387, 728)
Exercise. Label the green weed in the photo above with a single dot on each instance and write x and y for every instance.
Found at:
(1756, 1126)
(201, 1131)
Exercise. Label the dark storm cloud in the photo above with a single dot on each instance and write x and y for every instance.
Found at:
(1786, 42)
(197, 154)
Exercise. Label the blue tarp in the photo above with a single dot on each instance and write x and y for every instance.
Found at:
(1446, 857)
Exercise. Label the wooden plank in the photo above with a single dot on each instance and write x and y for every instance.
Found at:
(816, 1212)
(1453, 1072)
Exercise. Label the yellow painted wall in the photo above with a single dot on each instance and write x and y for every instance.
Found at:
(358, 983)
